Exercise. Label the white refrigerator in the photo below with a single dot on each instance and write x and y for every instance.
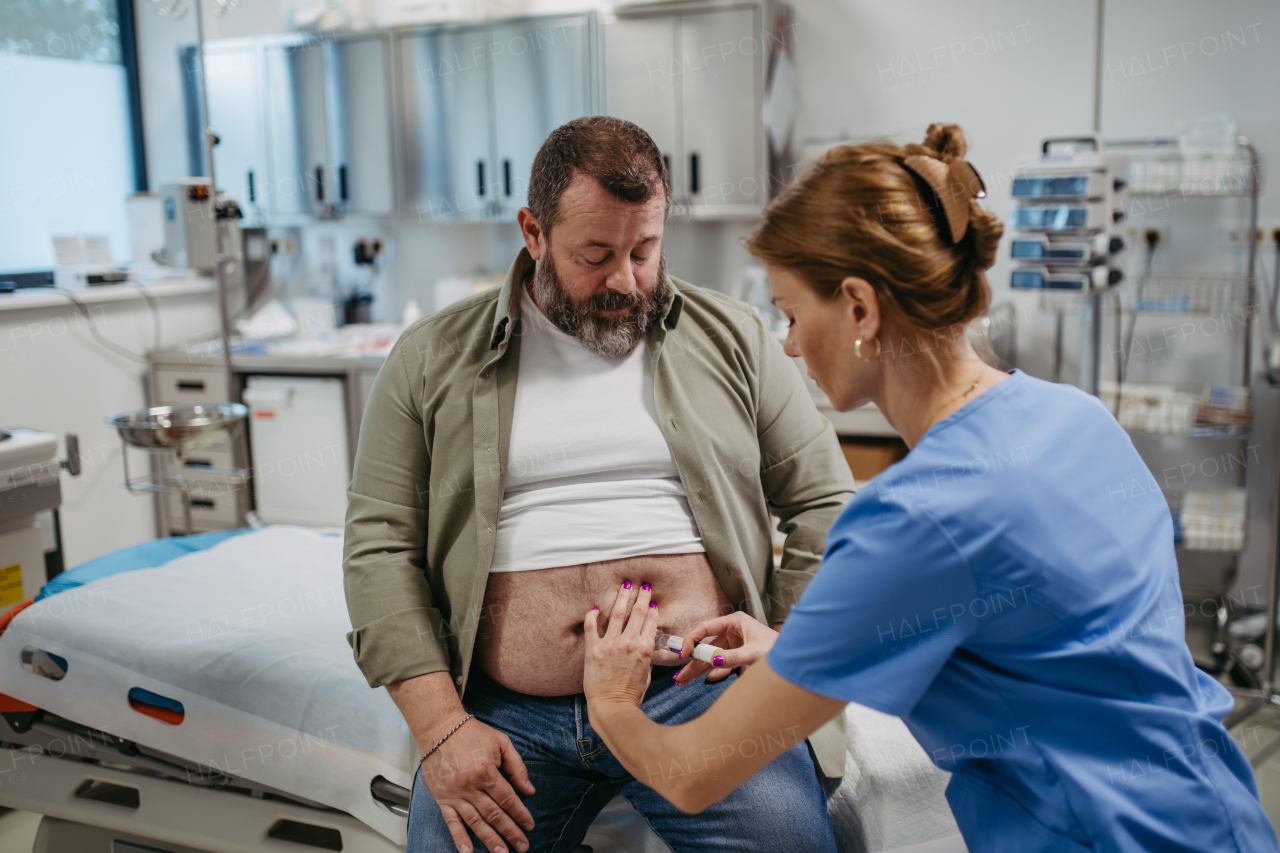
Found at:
(298, 443)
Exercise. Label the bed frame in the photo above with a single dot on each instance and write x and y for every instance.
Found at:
(70, 773)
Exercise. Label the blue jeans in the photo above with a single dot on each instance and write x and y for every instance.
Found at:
(780, 808)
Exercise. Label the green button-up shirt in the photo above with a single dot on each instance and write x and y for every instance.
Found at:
(424, 500)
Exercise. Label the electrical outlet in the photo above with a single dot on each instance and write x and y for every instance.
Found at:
(366, 250)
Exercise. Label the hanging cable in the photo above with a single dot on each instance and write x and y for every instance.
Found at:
(155, 315)
(1152, 238)
(102, 341)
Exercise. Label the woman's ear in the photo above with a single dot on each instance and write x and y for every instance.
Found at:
(863, 305)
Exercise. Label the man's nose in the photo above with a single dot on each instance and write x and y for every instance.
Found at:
(623, 278)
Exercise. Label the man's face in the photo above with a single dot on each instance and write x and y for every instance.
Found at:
(602, 278)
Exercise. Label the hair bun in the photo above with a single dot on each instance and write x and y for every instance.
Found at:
(947, 140)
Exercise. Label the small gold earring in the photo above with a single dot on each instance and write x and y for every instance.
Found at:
(857, 349)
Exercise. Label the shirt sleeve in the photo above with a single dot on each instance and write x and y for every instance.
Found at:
(397, 630)
(888, 607)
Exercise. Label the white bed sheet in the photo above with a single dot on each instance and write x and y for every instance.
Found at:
(891, 789)
(250, 636)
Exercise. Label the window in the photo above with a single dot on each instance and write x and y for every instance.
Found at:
(67, 155)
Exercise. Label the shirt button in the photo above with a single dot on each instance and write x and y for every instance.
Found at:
(459, 680)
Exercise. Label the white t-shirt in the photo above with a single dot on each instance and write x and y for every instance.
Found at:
(589, 475)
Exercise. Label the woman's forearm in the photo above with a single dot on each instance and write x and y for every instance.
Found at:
(645, 748)
(699, 763)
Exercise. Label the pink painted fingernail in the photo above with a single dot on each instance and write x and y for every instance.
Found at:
(653, 604)
(645, 586)
(717, 660)
(676, 678)
(626, 584)
(593, 607)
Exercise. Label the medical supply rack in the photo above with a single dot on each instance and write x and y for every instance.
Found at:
(1158, 168)
(1066, 242)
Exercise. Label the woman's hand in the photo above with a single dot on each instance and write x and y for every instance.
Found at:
(619, 665)
(743, 639)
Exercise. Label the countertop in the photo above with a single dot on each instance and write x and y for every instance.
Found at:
(25, 298)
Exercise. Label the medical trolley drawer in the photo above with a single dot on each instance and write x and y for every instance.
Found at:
(215, 502)
(193, 385)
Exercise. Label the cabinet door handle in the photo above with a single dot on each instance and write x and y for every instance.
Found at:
(480, 178)
(342, 182)
(319, 183)
(693, 174)
(252, 196)
(506, 178)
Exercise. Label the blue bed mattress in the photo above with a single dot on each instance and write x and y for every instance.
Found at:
(148, 555)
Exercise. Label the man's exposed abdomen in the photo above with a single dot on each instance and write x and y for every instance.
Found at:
(530, 632)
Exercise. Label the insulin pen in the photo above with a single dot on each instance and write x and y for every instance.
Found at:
(702, 651)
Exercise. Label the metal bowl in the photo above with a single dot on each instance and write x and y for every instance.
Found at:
(180, 427)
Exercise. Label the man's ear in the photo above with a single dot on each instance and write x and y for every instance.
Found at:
(531, 231)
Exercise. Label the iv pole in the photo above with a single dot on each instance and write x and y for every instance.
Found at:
(219, 277)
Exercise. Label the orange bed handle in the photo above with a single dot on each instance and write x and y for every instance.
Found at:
(8, 704)
(17, 608)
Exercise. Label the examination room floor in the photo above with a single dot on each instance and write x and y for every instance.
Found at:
(1258, 736)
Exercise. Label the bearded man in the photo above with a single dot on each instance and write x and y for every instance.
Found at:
(592, 427)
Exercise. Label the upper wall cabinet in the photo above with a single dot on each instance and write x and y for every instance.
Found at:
(442, 122)
(333, 115)
(541, 75)
(304, 124)
(693, 77)
(479, 101)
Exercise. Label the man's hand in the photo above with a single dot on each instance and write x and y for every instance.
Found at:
(465, 777)
(466, 774)
(743, 639)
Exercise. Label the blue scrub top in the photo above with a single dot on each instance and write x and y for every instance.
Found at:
(1010, 590)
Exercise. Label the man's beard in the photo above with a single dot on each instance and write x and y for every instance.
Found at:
(604, 334)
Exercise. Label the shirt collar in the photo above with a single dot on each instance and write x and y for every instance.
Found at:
(508, 308)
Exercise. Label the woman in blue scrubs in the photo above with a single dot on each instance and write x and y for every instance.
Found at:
(1009, 589)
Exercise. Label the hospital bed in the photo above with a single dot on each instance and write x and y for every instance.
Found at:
(197, 695)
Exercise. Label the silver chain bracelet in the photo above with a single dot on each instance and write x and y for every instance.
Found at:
(440, 742)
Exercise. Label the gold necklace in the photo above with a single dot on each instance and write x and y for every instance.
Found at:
(967, 392)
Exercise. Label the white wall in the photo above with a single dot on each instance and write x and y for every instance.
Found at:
(55, 378)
